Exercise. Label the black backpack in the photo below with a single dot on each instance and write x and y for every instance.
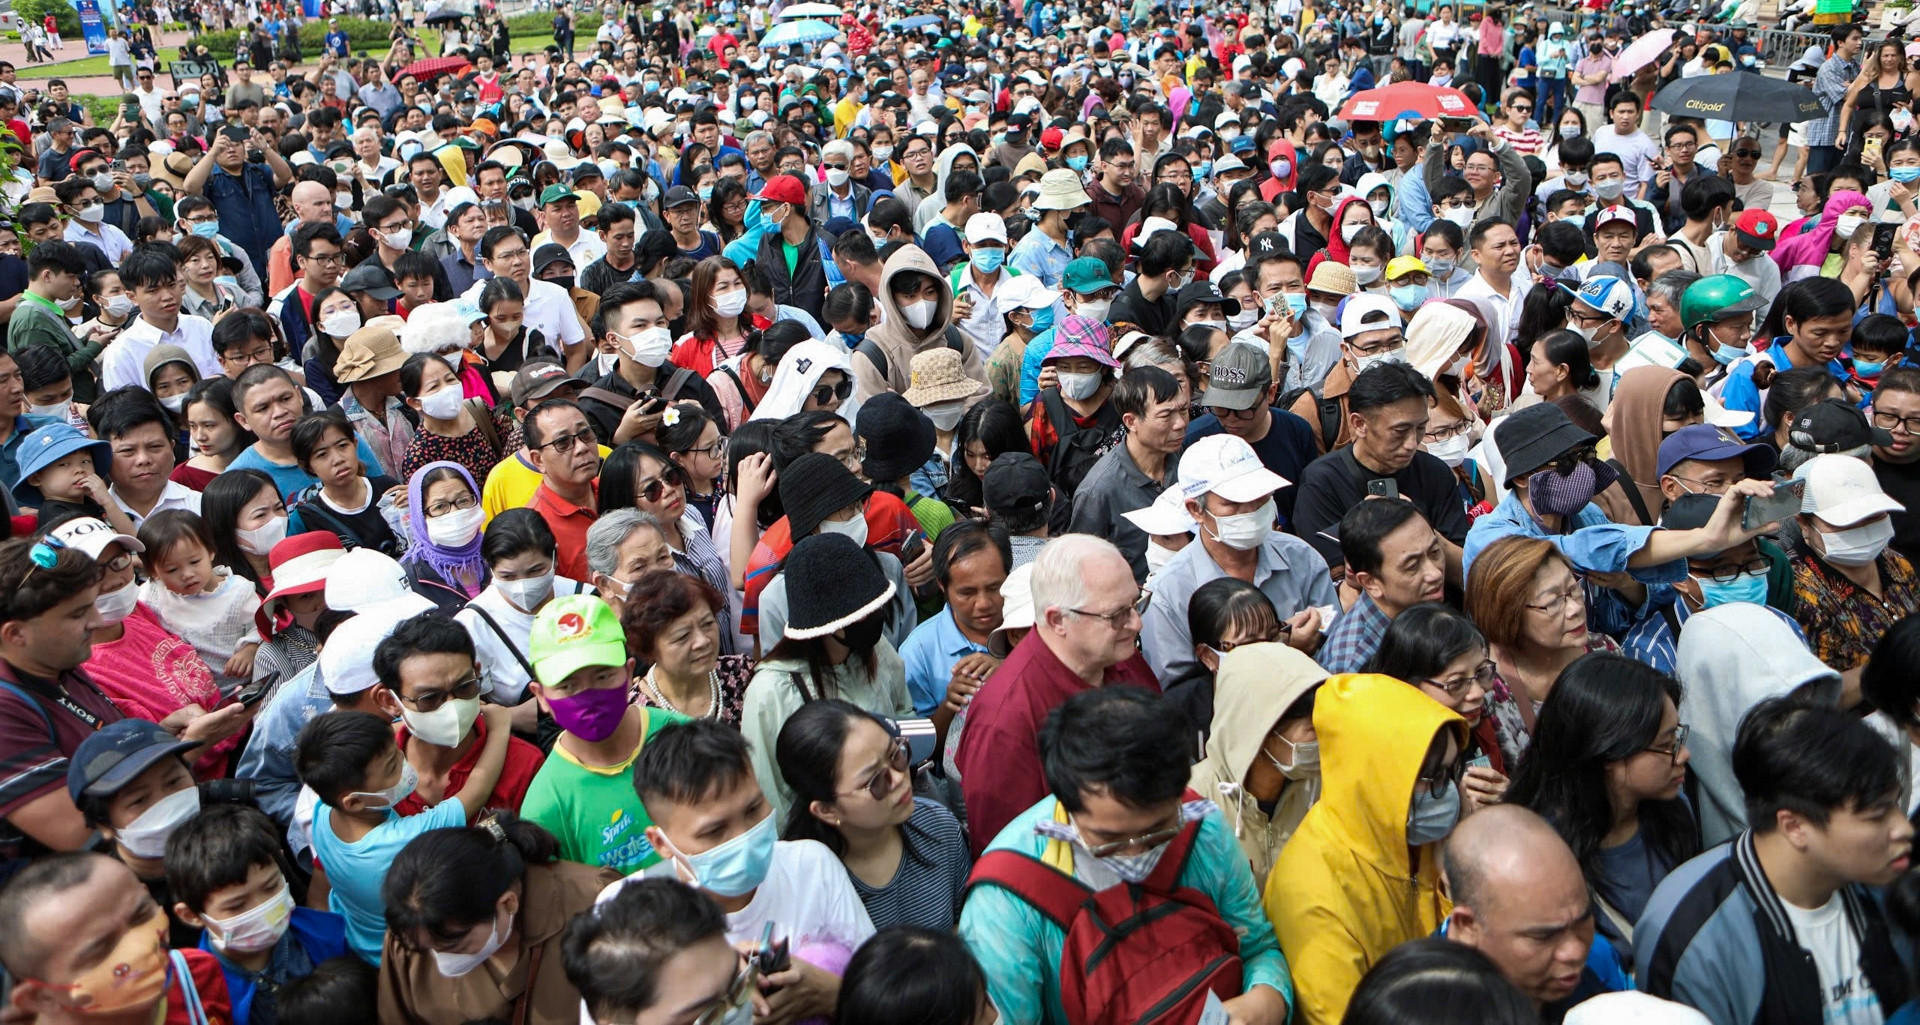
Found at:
(1078, 448)
(1330, 411)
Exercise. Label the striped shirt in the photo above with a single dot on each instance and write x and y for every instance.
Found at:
(701, 559)
(927, 888)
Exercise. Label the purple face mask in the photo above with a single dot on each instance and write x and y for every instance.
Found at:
(591, 715)
(1557, 494)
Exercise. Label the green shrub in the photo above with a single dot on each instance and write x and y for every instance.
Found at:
(540, 23)
(362, 34)
(64, 14)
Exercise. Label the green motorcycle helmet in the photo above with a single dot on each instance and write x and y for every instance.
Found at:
(1716, 297)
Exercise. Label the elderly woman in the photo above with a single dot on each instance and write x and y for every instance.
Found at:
(673, 623)
(641, 476)
(622, 546)
(1524, 596)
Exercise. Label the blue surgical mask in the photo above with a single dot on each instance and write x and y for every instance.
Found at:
(1868, 368)
(706, 193)
(1431, 818)
(987, 259)
(1077, 163)
(207, 229)
(1904, 175)
(1747, 587)
(739, 866)
(1200, 173)
(1725, 355)
(1296, 303)
(1408, 297)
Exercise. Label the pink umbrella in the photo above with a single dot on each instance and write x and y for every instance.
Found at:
(1641, 52)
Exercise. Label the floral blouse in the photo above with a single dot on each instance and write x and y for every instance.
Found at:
(1504, 706)
(734, 672)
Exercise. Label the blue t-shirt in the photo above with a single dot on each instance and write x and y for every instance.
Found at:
(356, 871)
(290, 478)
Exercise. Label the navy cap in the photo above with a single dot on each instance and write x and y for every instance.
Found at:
(117, 755)
(1708, 443)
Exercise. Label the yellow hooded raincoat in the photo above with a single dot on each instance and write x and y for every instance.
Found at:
(1346, 889)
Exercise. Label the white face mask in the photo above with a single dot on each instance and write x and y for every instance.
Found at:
(114, 606)
(855, 528)
(605, 362)
(1361, 363)
(1349, 231)
(1848, 224)
(175, 402)
(1858, 546)
(146, 836)
(1379, 207)
(1246, 318)
(1460, 215)
(255, 929)
(1367, 275)
(377, 800)
(398, 239)
(57, 409)
(837, 177)
(649, 347)
(445, 726)
(920, 314)
(1452, 451)
(1097, 309)
(455, 965)
(1158, 557)
(527, 594)
(341, 323)
(1080, 387)
(261, 539)
(729, 304)
(456, 529)
(1245, 531)
(443, 404)
(93, 213)
(119, 305)
(946, 417)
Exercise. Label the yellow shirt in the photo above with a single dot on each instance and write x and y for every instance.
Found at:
(511, 484)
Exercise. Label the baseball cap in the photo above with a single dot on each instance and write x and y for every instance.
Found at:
(1707, 443)
(1843, 490)
(1238, 379)
(1226, 163)
(370, 277)
(1616, 214)
(92, 536)
(1226, 466)
(556, 193)
(1017, 611)
(782, 188)
(1203, 292)
(987, 227)
(679, 196)
(346, 660)
(1605, 293)
(365, 577)
(1757, 229)
(1015, 482)
(1265, 244)
(537, 379)
(1086, 275)
(548, 255)
(1367, 312)
(572, 632)
(117, 754)
(1835, 425)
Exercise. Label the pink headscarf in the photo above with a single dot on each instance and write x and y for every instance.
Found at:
(1811, 246)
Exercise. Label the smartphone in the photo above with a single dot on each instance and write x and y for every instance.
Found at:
(1774, 508)
(912, 548)
(1458, 124)
(1883, 236)
(771, 955)
(117, 166)
(920, 736)
(1385, 487)
(239, 134)
(254, 692)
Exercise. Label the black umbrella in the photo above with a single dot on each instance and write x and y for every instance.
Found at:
(445, 15)
(1739, 96)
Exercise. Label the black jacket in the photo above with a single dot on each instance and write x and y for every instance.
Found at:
(604, 416)
(806, 285)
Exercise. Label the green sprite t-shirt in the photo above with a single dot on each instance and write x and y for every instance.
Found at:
(593, 811)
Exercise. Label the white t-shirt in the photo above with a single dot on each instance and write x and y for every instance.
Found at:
(1824, 933)
(501, 669)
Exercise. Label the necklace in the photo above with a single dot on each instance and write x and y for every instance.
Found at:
(713, 694)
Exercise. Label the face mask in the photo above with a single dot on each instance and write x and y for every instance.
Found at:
(1296, 303)
(455, 965)
(1610, 189)
(443, 404)
(227, 281)
(1432, 817)
(1077, 163)
(92, 213)
(1858, 546)
(1558, 494)
(524, 203)
(1575, 179)
(377, 800)
(1460, 215)
(1367, 275)
(591, 715)
(343, 200)
(455, 529)
(738, 866)
(102, 182)
(529, 593)
(255, 929)
(1094, 308)
(1158, 557)
(1904, 175)
(1349, 231)
(134, 973)
(119, 305)
(261, 539)
(57, 409)
(1848, 224)
(988, 260)
(649, 347)
(1280, 168)
(142, 181)
(146, 836)
(207, 229)
(855, 528)
(175, 403)
(837, 177)
(1361, 363)
(1379, 208)
(883, 153)
(1246, 318)
(1201, 171)
(945, 418)
(1747, 587)
(1245, 531)
(341, 323)
(1305, 763)
(1569, 131)
(1868, 368)
(398, 239)
(729, 304)
(115, 606)
(1452, 451)
(445, 726)
(920, 314)
(1408, 297)
(605, 362)
(1588, 332)
(1080, 387)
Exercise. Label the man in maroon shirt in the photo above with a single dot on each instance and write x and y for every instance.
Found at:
(1086, 622)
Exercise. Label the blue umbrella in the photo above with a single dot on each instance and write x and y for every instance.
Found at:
(920, 21)
(789, 33)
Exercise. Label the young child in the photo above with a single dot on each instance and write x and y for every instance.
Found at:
(224, 870)
(351, 763)
(209, 606)
(347, 499)
(413, 275)
(63, 472)
(1879, 342)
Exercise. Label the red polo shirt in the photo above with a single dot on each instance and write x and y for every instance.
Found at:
(999, 759)
(523, 761)
(569, 524)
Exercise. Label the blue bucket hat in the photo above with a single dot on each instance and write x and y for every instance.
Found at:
(50, 444)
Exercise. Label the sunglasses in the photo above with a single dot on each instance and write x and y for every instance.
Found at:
(656, 489)
(1752, 154)
(827, 393)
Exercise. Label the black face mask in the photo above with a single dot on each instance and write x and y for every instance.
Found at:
(565, 282)
(862, 636)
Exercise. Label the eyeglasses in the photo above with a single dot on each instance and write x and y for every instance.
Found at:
(881, 783)
(1482, 674)
(657, 488)
(1145, 842)
(328, 259)
(1284, 631)
(432, 700)
(1436, 781)
(518, 254)
(1747, 154)
(717, 450)
(260, 354)
(853, 460)
(1729, 572)
(1118, 617)
(1672, 751)
(1889, 421)
(1444, 433)
(1374, 349)
(1235, 414)
(1557, 604)
(721, 1007)
(566, 442)
(461, 504)
(827, 393)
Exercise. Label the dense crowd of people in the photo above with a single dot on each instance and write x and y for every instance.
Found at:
(1257, 555)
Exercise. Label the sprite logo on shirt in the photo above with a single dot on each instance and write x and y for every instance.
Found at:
(635, 850)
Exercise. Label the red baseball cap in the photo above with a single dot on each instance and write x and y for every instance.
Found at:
(1050, 139)
(783, 188)
(1757, 229)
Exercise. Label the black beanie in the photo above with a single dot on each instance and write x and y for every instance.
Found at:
(815, 486)
(832, 584)
(899, 437)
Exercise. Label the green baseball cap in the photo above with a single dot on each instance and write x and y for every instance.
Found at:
(556, 192)
(1087, 275)
(572, 632)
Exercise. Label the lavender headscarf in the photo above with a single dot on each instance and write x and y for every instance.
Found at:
(462, 567)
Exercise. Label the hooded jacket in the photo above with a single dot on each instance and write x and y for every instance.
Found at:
(1402, 238)
(936, 200)
(1633, 424)
(1346, 889)
(1256, 684)
(1730, 657)
(898, 341)
(794, 380)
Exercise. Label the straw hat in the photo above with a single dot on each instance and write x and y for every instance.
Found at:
(1333, 279)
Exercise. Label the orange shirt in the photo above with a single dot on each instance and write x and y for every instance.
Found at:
(569, 524)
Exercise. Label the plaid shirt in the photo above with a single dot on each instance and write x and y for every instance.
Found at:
(1844, 622)
(1830, 85)
(1355, 636)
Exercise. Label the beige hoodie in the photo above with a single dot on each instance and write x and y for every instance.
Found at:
(899, 341)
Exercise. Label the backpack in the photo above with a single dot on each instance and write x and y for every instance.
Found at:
(1329, 414)
(878, 356)
(1139, 952)
(1077, 449)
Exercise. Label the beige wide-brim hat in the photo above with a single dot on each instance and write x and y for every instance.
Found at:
(937, 377)
(1060, 190)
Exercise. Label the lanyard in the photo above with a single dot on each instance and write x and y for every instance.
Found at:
(58, 695)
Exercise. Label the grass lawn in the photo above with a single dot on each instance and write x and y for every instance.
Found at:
(429, 38)
(67, 69)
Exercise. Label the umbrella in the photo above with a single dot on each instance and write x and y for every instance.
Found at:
(431, 66)
(1408, 100)
(810, 10)
(1641, 52)
(789, 33)
(1739, 97)
(920, 21)
(446, 14)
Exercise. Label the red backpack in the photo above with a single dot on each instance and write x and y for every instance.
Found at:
(1134, 953)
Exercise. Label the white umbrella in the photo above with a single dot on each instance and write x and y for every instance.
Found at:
(811, 10)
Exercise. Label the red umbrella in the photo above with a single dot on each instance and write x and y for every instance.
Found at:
(1407, 100)
(431, 66)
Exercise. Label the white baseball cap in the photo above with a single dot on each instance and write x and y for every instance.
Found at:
(1016, 613)
(986, 228)
(1167, 515)
(1841, 490)
(346, 660)
(1024, 292)
(1226, 466)
(1366, 312)
(364, 577)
